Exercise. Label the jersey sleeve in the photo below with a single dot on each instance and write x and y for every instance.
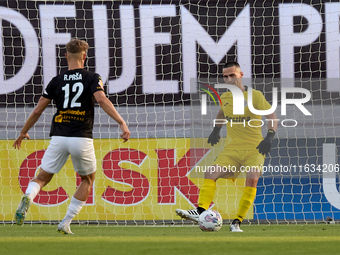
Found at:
(261, 102)
(96, 84)
(49, 90)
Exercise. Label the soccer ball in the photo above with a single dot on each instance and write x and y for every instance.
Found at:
(210, 220)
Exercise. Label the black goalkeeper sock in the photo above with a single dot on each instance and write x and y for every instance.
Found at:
(236, 221)
(200, 209)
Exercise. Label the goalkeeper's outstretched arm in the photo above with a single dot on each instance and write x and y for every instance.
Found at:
(214, 137)
(265, 146)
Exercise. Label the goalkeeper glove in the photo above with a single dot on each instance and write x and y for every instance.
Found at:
(265, 146)
(214, 137)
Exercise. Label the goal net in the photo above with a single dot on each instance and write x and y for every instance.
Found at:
(154, 57)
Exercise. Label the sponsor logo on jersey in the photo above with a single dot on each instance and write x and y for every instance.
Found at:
(73, 112)
(100, 83)
(238, 119)
(58, 118)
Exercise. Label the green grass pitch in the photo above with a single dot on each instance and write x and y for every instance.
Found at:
(256, 239)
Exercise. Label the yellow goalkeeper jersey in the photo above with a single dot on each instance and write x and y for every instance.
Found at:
(241, 133)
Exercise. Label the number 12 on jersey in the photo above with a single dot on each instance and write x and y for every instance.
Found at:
(77, 87)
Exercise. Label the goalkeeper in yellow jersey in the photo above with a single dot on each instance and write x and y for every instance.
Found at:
(245, 147)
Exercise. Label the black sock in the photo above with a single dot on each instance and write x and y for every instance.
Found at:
(236, 221)
(200, 209)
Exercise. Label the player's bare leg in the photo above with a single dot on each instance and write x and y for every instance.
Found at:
(247, 198)
(83, 190)
(41, 180)
(77, 203)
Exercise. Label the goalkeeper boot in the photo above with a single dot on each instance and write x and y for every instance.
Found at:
(192, 214)
(20, 213)
(235, 226)
(63, 228)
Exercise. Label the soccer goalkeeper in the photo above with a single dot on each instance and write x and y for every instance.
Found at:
(245, 147)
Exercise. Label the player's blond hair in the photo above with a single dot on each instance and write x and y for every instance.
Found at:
(76, 46)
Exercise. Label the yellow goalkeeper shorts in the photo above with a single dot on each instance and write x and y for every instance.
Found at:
(240, 160)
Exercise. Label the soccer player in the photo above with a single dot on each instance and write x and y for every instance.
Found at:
(74, 93)
(245, 147)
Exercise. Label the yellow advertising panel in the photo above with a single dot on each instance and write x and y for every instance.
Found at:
(143, 179)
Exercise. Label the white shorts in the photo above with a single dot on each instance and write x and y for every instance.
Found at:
(81, 150)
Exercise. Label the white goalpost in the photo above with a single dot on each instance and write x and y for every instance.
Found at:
(153, 56)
